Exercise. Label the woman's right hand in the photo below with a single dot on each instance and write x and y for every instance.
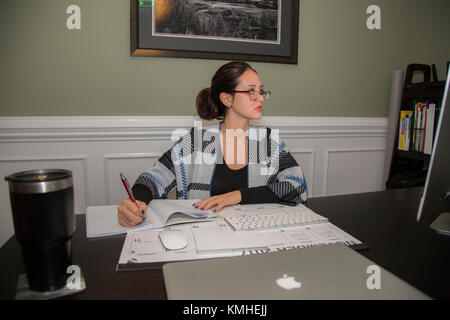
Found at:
(128, 213)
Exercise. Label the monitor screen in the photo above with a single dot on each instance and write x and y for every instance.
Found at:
(435, 198)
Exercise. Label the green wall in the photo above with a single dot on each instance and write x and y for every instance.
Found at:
(344, 69)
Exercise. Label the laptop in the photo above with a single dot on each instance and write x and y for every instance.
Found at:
(326, 272)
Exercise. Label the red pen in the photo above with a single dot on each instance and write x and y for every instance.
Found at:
(128, 189)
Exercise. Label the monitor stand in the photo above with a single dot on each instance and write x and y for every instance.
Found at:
(442, 224)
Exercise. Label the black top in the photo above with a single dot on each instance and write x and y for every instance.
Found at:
(224, 180)
(227, 180)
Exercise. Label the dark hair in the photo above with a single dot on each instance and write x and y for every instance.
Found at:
(209, 106)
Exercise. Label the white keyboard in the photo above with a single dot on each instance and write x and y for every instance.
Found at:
(291, 217)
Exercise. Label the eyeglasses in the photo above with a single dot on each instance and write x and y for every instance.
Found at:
(254, 95)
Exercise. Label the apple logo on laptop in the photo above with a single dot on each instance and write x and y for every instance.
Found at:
(288, 283)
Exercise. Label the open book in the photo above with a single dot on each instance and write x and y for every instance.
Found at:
(102, 221)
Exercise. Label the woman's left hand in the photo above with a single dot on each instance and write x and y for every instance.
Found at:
(220, 201)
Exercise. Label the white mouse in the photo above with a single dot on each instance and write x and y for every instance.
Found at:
(173, 239)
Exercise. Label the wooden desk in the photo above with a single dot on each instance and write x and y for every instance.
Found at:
(385, 220)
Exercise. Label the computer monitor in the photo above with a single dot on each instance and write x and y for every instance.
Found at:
(434, 204)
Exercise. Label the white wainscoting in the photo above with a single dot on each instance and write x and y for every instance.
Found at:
(338, 155)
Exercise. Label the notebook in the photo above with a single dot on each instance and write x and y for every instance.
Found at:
(102, 221)
(326, 272)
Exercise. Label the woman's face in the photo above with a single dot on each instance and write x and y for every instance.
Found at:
(242, 105)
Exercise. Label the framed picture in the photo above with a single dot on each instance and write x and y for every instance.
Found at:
(249, 30)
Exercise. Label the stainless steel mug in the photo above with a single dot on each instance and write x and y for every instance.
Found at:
(42, 204)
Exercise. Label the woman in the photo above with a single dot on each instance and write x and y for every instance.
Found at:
(227, 163)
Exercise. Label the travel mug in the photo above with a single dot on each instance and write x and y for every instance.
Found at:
(42, 204)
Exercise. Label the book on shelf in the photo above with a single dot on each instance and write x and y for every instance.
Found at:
(429, 128)
(417, 127)
(404, 130)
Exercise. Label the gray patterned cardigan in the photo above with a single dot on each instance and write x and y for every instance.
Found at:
(190, 164)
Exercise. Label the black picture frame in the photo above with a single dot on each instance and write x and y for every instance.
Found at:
(145, 43)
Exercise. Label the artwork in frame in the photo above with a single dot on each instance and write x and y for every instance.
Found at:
(250, 30)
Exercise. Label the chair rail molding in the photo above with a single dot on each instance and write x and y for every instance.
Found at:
(31, 129)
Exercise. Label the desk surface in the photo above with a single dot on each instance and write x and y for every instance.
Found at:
(385, 220)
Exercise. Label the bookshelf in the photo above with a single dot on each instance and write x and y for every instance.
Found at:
(409, 167)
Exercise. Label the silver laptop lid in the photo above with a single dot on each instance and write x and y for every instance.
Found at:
(326, 272)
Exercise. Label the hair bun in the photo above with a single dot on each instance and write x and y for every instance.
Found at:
(206, 107)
